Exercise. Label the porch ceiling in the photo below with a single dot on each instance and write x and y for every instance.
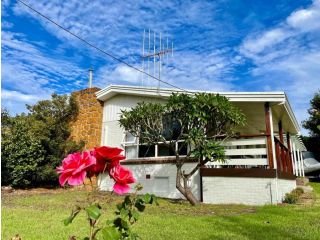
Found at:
(255, 115)
(280, 113)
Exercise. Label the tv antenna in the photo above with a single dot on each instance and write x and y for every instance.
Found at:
(159, 55)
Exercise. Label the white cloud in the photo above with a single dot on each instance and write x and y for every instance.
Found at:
(306, 19)
(18, 96)
(5, 24)
(258, 44)
(16, 101)
(120, 74)
(299, 22)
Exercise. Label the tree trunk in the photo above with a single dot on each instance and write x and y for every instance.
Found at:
(184, 189)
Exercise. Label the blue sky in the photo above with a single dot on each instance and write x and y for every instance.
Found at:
(218, 45)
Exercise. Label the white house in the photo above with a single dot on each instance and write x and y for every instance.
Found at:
(262, 162)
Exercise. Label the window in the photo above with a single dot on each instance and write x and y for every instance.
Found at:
(134, 149)
(129, 143)
(146, 151)
(164, 150)
(129, 138)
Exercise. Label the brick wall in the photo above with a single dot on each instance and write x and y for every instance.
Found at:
(88, 123)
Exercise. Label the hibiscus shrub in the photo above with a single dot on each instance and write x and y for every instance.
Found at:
(77, 166)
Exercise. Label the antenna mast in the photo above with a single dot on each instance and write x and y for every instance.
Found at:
(142, 75)
(158, 56)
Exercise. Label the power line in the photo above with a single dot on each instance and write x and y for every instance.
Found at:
(97, 48)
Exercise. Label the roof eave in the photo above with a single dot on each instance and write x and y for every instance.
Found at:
(292, 116)
(112, 90)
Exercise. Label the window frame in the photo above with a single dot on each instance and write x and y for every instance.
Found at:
(136, 143)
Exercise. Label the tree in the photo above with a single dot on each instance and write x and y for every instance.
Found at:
(21, 152)
(39, 140)
(199, 123)
(50, 123)
(313, 125)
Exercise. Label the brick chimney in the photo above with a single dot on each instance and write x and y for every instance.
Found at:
(88, 124)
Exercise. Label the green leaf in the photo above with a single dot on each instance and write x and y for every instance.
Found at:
(93, 212)
(119, 206)
(147, 198)
(140, 205)
(109, 222)
(127, 200)
(73, 214)
(110, 233)
(124, 212)
(121, 223)
(154, 199)
(135, 214)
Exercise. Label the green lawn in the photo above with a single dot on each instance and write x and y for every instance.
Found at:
(40, 215)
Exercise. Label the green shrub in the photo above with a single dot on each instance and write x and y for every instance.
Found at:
(293, 196)
(21, 154)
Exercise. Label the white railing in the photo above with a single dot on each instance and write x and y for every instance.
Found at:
(245, 151)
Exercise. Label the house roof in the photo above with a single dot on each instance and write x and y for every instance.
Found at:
(274, 98)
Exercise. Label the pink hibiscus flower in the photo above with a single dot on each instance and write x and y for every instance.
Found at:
(107, 158)
(122, 176)
(74, 167)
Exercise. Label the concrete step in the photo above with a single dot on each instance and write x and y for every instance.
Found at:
(306, 189)
(302, 181)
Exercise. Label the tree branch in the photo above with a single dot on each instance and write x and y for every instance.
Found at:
(196, 168)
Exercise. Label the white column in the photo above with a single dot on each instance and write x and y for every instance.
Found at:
(302, 164)
(274, 155)
(296, 165)
(156, 150)
(299, 162)
(137, 140)
(292, 157)
(272, 140)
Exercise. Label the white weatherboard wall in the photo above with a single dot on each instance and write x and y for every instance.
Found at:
(245, 190)
(162, 180)
(112, 133)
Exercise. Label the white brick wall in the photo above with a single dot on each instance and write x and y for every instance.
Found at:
(285, 186)
(241, 190)
(216, 190)
(162, 180)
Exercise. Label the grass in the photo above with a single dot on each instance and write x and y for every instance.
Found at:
(40, 215)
